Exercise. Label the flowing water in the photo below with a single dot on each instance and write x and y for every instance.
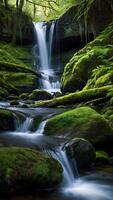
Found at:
(43, 56)
(93, 187)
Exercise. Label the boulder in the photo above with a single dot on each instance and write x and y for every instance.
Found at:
(102, 157)
(26, 170)
(83, 122)
(40, 95)
(82, 151)
(6, 120)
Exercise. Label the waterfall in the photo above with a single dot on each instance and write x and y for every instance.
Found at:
(43, 56)
(41, 127)
(26, 125)
(70, 172)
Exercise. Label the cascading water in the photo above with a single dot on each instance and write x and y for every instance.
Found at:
(70, 171)
(44, 56)
(72, 187)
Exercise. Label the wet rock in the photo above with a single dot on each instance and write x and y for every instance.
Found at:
(40, 95)
(6, 120)
(102, 157)
(83, 122)
(82, 151)
(26, 170)
(14, 102)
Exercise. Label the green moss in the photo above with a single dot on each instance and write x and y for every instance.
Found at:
(40, 95)
(6, 120)
(25, 168)
(82, 122)
(24, 96)
(102, 157)
(15, 54)
(79, 72)
(77, 97)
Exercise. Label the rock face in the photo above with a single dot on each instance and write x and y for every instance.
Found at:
(40, 95)
(82, 151)
(93, 18)
(27, 170)
(83, 122)
(22, 24)
(92, 66)
(6, 120)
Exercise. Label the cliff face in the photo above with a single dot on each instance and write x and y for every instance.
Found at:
(15, 26)
(83, 23)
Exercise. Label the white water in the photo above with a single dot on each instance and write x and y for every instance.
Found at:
(41, 127)
(68, 171)
(49, 81)
(26, 125)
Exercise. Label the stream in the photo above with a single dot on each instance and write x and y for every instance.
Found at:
(95, 186)
(28, 133)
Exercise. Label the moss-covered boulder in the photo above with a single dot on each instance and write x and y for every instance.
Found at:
(82, 151)
(6, 120)
(97, 56)
(40, 95)
(102, 157)
(83, 122)
(27, 170)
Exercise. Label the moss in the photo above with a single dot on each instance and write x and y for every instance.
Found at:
(3, 93)
(23, 168)
(15, 54)
(102, 157)
(24, 96)
(82, 122)
(77, 97)
(6, 120)
(80, 68)
(20, 81)
(40, 95)
(36, 122)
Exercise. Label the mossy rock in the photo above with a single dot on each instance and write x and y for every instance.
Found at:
(27, 170)
(40, 95)
(82, 151)
(24, 96)
(111, 160)
(83, 122)
(102, 157)
(77, 97)
(92, 66)
(36, 122)
(13, 97)
(14, 102)
(6, 120)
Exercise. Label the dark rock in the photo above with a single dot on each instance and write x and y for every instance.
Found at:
(40, 95)
(82, 151)
(6, 120)
(102, 158)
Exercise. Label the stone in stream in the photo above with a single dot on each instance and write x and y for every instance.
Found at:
(40, 95)
(82, 151)
(26, 170)
(6, 120)
(83, 122)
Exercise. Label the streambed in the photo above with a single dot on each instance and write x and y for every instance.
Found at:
(96, 186)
